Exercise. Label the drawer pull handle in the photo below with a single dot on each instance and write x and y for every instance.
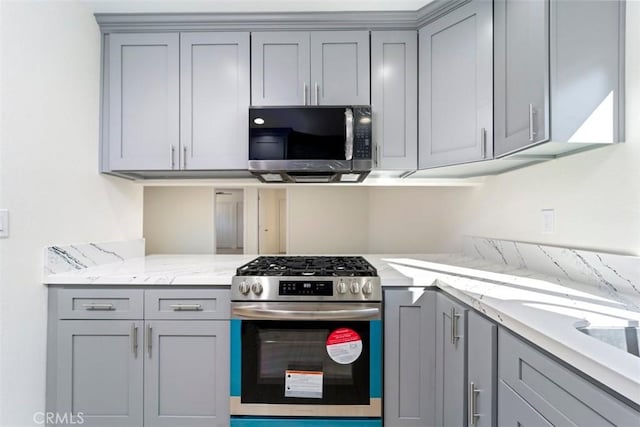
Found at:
(186, 307)
(104, 307)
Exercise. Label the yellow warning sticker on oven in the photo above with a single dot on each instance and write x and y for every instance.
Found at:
(303, 384)
(344, 346)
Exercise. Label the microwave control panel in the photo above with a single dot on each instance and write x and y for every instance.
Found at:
(362, 133)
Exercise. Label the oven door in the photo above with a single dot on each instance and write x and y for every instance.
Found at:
(306, 359)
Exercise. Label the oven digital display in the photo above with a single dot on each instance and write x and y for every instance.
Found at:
(306, 287)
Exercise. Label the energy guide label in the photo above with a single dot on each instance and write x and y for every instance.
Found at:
(344, 346)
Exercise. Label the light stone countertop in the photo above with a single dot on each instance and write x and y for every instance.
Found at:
(541, 308)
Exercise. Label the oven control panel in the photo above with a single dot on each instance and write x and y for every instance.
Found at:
(305, 287)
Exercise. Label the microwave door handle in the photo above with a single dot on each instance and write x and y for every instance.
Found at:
(348, 148)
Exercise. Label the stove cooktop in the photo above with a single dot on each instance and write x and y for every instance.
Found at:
(308, 266)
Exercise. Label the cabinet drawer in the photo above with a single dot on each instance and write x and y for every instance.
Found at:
(187, 304)
(100, 304)
(560, 395)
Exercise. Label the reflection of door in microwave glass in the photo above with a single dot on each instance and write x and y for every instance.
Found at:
(298, 349)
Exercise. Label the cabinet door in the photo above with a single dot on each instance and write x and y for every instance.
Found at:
(340, 68)
(280, 68)
(394, 101)
(143, 101)
(450, 363)
(409, 330)
(99, 371)
(482, 341)
(513, 411)
(187, 373)
(521, 67)
(214, 99)
(456, 79)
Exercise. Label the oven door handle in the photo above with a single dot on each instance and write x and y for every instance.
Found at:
(259, 313)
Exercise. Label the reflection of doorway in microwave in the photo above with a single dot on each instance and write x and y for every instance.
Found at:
(272, 221)
(229, 221)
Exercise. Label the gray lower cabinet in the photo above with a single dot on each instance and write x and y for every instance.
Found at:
(99, 372)
(555, 78)
(409, 357)
(186, 373)
(515, 411)
(456, 80)
(175, 101)
(394, 101)
(169, 369)
(451, 342)
(310, 68)
(482, 370)
(558, 395)
(142, 99)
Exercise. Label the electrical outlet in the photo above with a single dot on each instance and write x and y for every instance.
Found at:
(548, 221)
(4, 223)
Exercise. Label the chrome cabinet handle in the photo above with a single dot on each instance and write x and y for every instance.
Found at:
(317, 94)
(99, 307)
(134, 340)
(483, 142)
(172, 158)
(304, 93)
(149, 343)
(184, 157)
(348, 148)
(473, 403)
(454, 326)
(532, 132)
(186, 307)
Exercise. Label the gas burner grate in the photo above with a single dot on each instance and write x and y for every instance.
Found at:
(320, 266)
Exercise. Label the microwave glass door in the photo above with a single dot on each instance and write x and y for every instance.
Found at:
(270, 348)
(297, 133)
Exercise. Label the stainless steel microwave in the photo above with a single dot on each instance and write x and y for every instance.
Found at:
(310, 144)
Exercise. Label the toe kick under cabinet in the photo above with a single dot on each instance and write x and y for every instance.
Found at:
(131, 357)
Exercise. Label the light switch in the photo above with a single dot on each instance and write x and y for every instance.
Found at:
(4, 222)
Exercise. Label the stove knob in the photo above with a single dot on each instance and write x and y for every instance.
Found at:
(367, 289)
(244, 288)
(257, 288)
(342, 287)
(355, 287)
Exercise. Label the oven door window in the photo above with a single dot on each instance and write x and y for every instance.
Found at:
(269, 348)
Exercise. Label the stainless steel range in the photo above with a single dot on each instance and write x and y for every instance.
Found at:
(306, 342)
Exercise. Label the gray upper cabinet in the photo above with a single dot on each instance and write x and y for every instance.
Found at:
(451, 341)
(186, 374)
(521, 61)
(394, 102)
(214, 100)
(176, 101)
(556, 78)
(317, 68)
(340, 67)
(456, 98)
(143, 100)
(409, 358)
(99, 371)
(280, 68)
(482, 348)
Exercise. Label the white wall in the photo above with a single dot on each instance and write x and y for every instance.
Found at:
(595, 195)
(48, 179)
(179, 220)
